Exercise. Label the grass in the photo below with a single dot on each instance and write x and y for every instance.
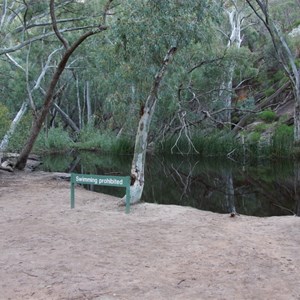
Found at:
(218, 143)
(253, 145)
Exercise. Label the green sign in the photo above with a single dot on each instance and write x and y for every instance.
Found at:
(116, 181)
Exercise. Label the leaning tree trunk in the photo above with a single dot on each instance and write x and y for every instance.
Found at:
(284, 56)
(66, 118)
(141, 141)
(13, 125)
(41, 115)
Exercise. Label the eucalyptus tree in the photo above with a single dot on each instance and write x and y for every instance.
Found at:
(283, 51)
(29, 51)
(51, 90)
(236, 16)
(150, 32)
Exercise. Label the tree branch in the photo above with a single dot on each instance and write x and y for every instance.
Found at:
(3, 13)
(54, 25)
(41, 37)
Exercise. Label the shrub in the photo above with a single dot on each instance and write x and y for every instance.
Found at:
(282, 141)
(260, 128)
(20, 135)
(4, 120)
(122, 146)
(92, 139)
(217, 143)
(56, 140)
(267, 116)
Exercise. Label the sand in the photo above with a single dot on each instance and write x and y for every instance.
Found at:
(97, 251)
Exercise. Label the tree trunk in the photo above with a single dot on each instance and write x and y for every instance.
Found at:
(297, 119)
(284, 56)
(66, 118)
(141, 141)
(3, 14)
(229, 192)
(235, 40)
(48, 100)
(88, 103)
(78, 104)
(13, 125)
(297, 187)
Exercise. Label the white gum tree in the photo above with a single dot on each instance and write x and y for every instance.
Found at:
(141, 140)
(235, 12)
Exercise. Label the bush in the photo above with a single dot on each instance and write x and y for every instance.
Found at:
(20, 135)
(56, 140)
(260, 127)
(218, 143)
(282, 141)
(268, 116)
(4, 120)
(92, 139)
(122, 146)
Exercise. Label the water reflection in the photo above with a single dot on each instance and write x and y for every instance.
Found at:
(267, 189)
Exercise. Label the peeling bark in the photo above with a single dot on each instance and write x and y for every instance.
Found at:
(141, 141)
(13, 125)
(235, 16)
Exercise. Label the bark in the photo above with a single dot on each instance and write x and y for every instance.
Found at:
(297, 121)
(48, 100)
(297, 188)
(41, 37)
(235, 16)
(78, 104)
(141, 141)
(13, 125)
(3, 14)
(88, 103)
(66, 118)
(20, 114)
(229, 193)
(258, 107)
(6, 166)
(285, 57)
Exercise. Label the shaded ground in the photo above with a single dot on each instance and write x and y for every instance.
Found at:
(96, 251)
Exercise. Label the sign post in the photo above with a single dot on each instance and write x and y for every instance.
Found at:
(116, 181)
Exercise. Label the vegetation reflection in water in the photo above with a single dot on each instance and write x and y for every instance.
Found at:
(266, 189)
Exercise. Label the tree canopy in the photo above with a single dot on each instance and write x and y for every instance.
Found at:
(214, 82)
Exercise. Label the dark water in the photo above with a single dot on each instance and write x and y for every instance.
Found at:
(266, 189)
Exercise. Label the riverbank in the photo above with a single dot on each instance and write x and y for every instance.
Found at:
(96, 251)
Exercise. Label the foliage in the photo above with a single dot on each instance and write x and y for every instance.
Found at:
(282, 141)
(20, 135)
(253, 140)
(259, 128)
(55, 140)
(120, 68)
(214, 144)
(93, 139)
(4, 120)
(267, 115)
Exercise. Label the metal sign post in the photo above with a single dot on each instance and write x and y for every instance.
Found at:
(116, 181)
